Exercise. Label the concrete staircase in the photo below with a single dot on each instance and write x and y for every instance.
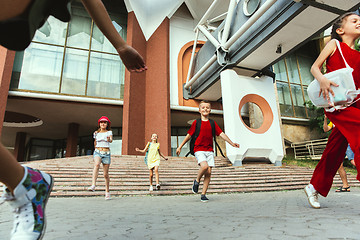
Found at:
(130, 176)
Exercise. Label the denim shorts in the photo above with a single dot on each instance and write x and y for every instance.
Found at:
(207, 156)
(349, 153)
(104, 156)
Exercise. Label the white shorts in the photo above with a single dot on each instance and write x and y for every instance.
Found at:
(202, 156)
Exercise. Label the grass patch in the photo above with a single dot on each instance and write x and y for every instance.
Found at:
(309, 163)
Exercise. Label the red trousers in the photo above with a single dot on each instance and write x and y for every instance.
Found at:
(347, 130)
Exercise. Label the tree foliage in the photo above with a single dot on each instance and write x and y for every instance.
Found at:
(316, 117)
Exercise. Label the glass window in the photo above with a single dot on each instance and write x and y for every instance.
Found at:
(280, 71)
(41, 68)
(284, 99)
(305, 64)
(73, 58)
(100, 43)
(79, 28)
(53, 32)
(177, 136)
(174, 145)
(116, 146)
(40, 152)
(292, 69)
(298, 101)
(74, 73)
(106, 76)
(185, 149)
(283, 93)
(41, 149)
(292, 78)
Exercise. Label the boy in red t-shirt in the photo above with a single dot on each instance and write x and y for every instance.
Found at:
(203, 147)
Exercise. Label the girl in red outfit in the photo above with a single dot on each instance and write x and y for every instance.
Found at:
(347, 121)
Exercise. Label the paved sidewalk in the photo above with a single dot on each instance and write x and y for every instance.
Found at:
(267, 215)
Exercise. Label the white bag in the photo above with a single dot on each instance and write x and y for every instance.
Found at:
(345, 93)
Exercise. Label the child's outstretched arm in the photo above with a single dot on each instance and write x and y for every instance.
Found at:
(162, 155)
(129, 56)
(226, 138)
(187, 138)
(144, 150)
(325, 84)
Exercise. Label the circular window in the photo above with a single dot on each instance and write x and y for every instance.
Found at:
(252, 115)
(250, 6)
(263, 120)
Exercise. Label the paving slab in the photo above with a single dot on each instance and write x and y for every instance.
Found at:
(260, 215)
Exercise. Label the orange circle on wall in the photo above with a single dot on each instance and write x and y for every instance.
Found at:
(265, 109)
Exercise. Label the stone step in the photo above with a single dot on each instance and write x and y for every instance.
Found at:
(129, 176)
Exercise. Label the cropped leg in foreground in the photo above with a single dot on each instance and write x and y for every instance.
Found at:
(27, 191)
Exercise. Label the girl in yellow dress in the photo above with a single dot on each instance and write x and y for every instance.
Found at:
(152, 159)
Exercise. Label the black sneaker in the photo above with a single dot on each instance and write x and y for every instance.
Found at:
(204, 198)
(195, 187)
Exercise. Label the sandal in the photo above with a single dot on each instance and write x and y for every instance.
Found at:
(343, 189)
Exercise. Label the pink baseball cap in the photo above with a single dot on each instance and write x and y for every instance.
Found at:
(104, 119)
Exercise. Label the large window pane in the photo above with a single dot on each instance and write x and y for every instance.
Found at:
(298, 101)
(100, 43)
(41, 68)
(174, 145)
(305, 65)
(116, 145)
(305, 94)
(185, 149)
(293, 72)
(284, 99)
(280, 71)
(53, 32)
(74, 73)
(79, 28)
(106, 76)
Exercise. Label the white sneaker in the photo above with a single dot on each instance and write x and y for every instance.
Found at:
(158, 187)
(312, 196)
(151, 188)
(29, 201)
(107, 196)
(92, 188)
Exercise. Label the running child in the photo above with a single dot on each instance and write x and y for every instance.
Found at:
(103, 137)
(27, 190)
(347, 121)
(203, 147)
(350, 155)
(152, 159)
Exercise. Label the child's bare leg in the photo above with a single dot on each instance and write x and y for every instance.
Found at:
(151, 176)
(203, 169)
(97, 162)
(206, 181)
(27, 191)
(106, 176)
(11, 172)
(343, 176)
(157, 174)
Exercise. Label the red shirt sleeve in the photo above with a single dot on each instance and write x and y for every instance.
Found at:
(192, 128)
(218, 130)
